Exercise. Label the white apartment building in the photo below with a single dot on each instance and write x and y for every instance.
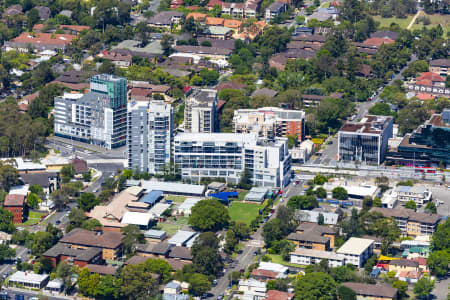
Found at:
(356, 251)
(419, 194)
(227, 155)
(304, 256)
(270, 122)
(200, 112)
(150, 135)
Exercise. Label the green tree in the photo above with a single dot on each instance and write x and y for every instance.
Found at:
(199, 284)
(345, 293)
(423, 287)
(166, 44)
(320, 179)
(6, 221)
(107, 67)
(367, 202)
(431, 207)
(438, 262)
(411, 205)
(32, 201)
(137, 283)
(6, 252)
(303, 202)
(315, 285)
(64, 271)
(160, 267)
(320, 192)
(272, 232)
(33, 18)
(380, 109)
(340, 193)
(402, 287)
(441, 238)
(245, 180)
(209, 215)
(88, 283)
(67, 172)
(132, 237)
(205, 254)
(87, 201)
(278, 284)
(320, 219)
(36, 189)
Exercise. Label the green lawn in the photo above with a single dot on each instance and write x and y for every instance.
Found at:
(386, 22)
(171, 225)
(33, 218)
(246, 212)
(241, 196)
(277, 259)
(176, 199)
(435, 19)
(167, 227)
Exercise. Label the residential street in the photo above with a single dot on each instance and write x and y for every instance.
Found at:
(256, 241)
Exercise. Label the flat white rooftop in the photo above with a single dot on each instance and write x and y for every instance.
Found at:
(355, 246)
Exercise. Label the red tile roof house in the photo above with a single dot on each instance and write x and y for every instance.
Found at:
(141, 94)
(278, 295)
(15, 204)
(39, 42)
(430, 78)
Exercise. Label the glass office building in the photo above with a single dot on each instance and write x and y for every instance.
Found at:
(365, 141)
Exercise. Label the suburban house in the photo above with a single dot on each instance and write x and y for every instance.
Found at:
(49, 181)
(372, 291)
(39, 42)
(440, 66)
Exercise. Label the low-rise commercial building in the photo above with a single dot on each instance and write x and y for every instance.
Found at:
(419, 194)
(29, 279)
(365, 141)
(227, 155)
(409, 222)
(356, 251)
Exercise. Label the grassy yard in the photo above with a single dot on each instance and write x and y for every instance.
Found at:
(435, 19)
(167, 227)
(176, 199)
(245, 212)
(171, 225)
(33, 218)
(386, 22)
(241, 196)
(276, 258)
